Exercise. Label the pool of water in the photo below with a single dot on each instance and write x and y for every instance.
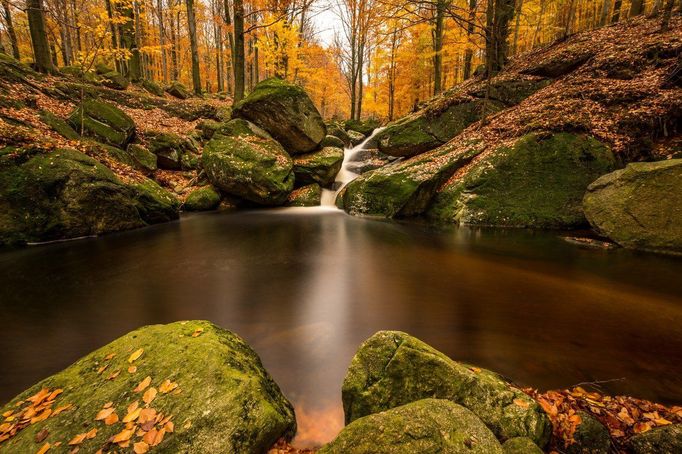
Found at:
(306, 286)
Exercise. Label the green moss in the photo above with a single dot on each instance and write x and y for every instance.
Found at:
(306, 196)
(319, 166)
(666, 439)
(59, 125)
(365, 127)
(520, 445)
(152, 87)
(202, 199)
(427, 426)
(104, 122)
(225, 402)
(115, 80)
(144, 159)
(154, 203)
(539, 182)
(178, 90)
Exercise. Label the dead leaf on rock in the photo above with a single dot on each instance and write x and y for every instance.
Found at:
(42, 435)
(104, 413)
(44, 449)
(143, 384)
(167, 386)
(149, 395)
(140, 447)
(135, 355)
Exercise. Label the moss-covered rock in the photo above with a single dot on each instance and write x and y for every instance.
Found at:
(207, 128)
(248, 165)
(104, 122)
(536, 182)
(306, 196)
(590, 437)
(59, 125)
(364, 127)
(332, 141)
(319, 166)
(520, 445)
(286, 112)
(145, 159)
(666, 439)
(427, 426)
(152, 87)
(66, 194)
(356, 138)
(364, 161)
(336, 130)
(115, 80)
(202, 199)
(640, 206)
(392, 369)
(177, 90)
(170, 149)
(210, 394)
(154, 203)
(103, 68)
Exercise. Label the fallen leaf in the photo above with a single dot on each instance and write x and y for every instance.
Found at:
(197, 332)
(149, 395)
(114, 375)
(132, 369)
(150, 436)
(44, 449)
(159, 437)
(140, 447)
(111, 419)
(132, 416)
(78, 439)
(147, 414)
(521, 403)
(61, 409)
(104, 414)
(122, 436)
(42, 435)
(143, 384)
(136, 354)
(167, 386)
(54, 394)
(90, 435)
(169, 426)
(109, 356)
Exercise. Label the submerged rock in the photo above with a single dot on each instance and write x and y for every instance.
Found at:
(182, 387)
(537, 182)
(306, 196)
(666, 439)
(640, 206)
(202, 199)
(425, 426)
(391, 369)
(243, 162)
(286, 112)
(104, 122)
(319, 166)
(66, 194)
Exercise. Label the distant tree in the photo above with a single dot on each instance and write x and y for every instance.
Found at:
(133, 69)
(41, 47)
(605, 9)
(636, 7)
(498, 16)
(194, 50)
(667, 13)
(617, 6)
(238, 60)
(7, 14)
(469, 52)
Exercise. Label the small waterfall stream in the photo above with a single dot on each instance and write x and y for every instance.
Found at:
(345, 176)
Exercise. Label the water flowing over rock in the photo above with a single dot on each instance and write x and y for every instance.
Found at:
(242, 161)
(425, 426)
(182, 387)
(391, 369)
(286, 112)
(66, 194)
(640, 206)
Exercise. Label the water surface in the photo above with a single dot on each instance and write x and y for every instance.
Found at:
(306, 286)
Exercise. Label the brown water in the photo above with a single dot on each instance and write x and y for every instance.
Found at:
(306, 286)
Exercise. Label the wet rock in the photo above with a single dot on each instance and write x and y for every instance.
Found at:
(104, 122)
(666, 439)
(537, 182)
(306, 196)
(210, 390)
(640, 206)
(424, 426)
(332, 141)
(286, 112)
(356, 138)
(202, 199)
(591, 437)
(177, 90)
(319, 166)
(520, 445)
(66, 194)
(391, 369)
(244, 162)
(365, 127)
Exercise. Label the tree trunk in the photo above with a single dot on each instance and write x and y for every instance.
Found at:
(500, 13)
(616, 11)
(570, 16)
(75, 15)
(41, 47)
(469, 52)
(10, 29)
(129, 42)
(605, 9)
(438, 46)
(162, 41)
(667, 13)
(238, 56)
(636, 8)
(517, 26)
(175, 72)
(194, 49)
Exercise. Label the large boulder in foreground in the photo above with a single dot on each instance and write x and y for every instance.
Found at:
(183, 387)
(319, 167)
(286, 112)
(539, 181)
(658, 440)
(104, 122)
(66, 194)
(425, 426)
(640, 206)
(391, 369)
(243, 160)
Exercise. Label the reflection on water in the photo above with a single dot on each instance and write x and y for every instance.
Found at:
(306, 286)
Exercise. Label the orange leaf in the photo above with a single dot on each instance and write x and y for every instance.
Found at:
(132, 416)
(132, 369)
(104, 414)
(44, 449)
(123, 436)
(143, 384)
(136, 354)
(111, 419)
(78, 439)
(140, 447)
(167, 386)
(149, 395)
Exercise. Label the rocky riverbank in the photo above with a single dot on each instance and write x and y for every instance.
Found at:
(194, 387)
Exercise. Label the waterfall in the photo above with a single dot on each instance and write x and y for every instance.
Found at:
(345, 176)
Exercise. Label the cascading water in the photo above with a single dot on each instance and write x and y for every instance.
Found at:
(345, 175)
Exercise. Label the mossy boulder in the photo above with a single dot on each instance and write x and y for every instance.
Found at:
(336, 130)
(539, 181)
(59, 125)
(170, 149)
(392, 368)
(332, 141)
(66, 194)
(364, 127)
(590, 437)
(202, 199)
(404, 188)
(286, 112)
(207, 128)
(640, 206)
(177, 90)
(364, 161)
(104, 122)
(356, 138)
(520, 445)
(144, 159)
(306, 196)
(666, 439)
(247, 164)
(103, 68)
(152, 87)
(115, 80)
(319, 166)
(154, 203)
(425, 426)
(183, 387)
